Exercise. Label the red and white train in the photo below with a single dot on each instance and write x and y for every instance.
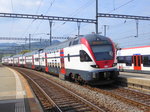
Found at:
(90, 58)
(136, 59)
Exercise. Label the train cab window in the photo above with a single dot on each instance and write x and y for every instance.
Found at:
(146, 60)
(84, 57)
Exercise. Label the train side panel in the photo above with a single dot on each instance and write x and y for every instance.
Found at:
(134, 59)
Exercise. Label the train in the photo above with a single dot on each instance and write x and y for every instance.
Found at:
(135, 59)
(87, 59)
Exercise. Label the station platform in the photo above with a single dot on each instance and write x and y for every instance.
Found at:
(15, 93)
(138, 80)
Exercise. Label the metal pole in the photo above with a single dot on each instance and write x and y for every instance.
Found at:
(78, 24)
(50, 33)
(96, 24)
(40, 41)
(105, 30)
(29, 42)
(137, 28)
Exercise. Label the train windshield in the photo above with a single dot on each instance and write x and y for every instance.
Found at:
(102, 52)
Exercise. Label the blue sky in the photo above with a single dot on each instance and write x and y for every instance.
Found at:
(121, 31)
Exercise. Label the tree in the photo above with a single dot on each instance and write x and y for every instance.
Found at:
(24, 51)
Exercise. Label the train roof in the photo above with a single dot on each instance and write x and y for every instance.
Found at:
(6, 57)
(142, 50)
(135, 47)
(67, 43)
(75, 41)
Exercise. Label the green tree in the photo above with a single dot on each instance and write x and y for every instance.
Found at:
(24, 51)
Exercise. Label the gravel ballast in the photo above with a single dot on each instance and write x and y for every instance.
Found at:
(100, 99)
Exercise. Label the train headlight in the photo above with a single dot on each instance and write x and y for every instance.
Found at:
(115, 64)
(94, 75)
(94, 66)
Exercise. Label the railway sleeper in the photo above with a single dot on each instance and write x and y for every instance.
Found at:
(70, 104)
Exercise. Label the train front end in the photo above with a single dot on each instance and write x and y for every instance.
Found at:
(101, 50)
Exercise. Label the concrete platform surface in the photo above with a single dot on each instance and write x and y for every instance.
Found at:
(136, 75)
(13, 93)
(143, 80)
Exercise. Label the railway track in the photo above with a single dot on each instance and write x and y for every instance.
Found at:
(133, 97)
(54, 97)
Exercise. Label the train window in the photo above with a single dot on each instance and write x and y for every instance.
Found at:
(70, 44)
(128, 60)
(139, 61)
(36, 59)
(121, 59)
(75, 42)
(146, 60)
(84, 57)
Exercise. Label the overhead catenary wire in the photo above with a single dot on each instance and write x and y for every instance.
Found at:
(135, 44)
(135, 41)
(128, 31)
(12, 25)
(83, 7)
(121, 6)
(141, 34)
(12, 5)
(39, 7)
(27, 28)
(114, 7)
(32, 20)
(75, 13)
(51, 4)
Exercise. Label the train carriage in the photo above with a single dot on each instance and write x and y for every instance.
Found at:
(29, 60)
(5, 60)
(37, 59)
(52, 62)
(42, 60)
(16, 60)
(10, 61)
(136, 59)
(21, 60)
(89, 58)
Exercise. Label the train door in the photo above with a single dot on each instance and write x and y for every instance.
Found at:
(137, 62)
(33, 65)
(46, 64)
(62, 69)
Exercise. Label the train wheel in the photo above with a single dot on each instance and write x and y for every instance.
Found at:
(71, 77)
